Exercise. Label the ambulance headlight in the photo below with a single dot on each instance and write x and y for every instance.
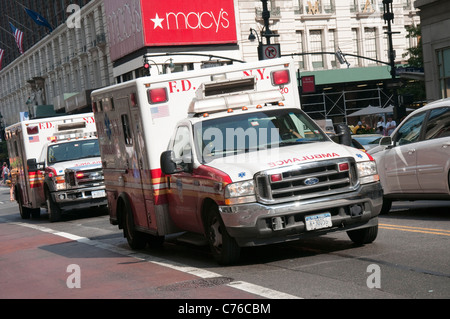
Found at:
(367, 172)
(240, 192)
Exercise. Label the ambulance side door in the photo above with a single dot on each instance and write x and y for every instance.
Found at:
(132, 155)
(183, 194)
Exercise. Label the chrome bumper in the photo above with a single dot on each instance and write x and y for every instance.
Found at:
(257, 224)
(80, 198)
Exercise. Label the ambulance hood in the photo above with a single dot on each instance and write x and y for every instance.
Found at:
(245, 166)
(84, 163)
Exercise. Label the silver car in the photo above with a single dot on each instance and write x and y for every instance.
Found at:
(414, 162)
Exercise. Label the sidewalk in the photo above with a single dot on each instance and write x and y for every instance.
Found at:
(35, 264)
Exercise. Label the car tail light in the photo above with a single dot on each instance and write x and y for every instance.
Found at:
(157, 96)
(280, 77)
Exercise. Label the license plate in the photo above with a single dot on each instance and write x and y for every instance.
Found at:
(98, 194)
(319, 221)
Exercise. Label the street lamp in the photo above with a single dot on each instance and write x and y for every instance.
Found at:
(266, 51)
(388, 16)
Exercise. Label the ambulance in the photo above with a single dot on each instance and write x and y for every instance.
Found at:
(225, 156)
(58, 165)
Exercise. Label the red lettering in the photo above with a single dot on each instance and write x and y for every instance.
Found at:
(186, 85)
(172, 86)
(45, 126)
(260, 73)
(89, 119)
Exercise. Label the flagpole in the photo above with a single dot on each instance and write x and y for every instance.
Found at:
(4, 44)
(9, 32)
(19, 23)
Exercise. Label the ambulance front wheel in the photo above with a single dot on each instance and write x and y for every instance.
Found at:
(223, 247)
(54, 212)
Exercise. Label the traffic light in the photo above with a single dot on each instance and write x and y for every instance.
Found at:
(147, 66)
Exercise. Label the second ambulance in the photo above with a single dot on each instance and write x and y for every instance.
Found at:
(227, 154)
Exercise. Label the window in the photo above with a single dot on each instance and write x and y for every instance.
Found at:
(409, 132)
(126, 130)
(443, 58)
(370, 43)
(316, 46)
(182, 144)
(438, 125)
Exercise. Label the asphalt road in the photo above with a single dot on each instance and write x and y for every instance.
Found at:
(410, 259)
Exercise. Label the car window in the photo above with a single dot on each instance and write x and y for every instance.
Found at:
(409, 131)
(182, 143)
(438, 125)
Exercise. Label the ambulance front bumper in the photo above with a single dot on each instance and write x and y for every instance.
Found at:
(257, 224)
(80, 198)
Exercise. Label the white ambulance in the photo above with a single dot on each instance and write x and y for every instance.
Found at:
(227, 154)
(58, 164)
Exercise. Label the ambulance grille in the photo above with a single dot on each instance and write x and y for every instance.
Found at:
(307, 181)
(88, 178)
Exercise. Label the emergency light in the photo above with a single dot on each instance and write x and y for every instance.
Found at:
(280, 77)
(158, 95)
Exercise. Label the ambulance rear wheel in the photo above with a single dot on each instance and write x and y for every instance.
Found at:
(223, 247)
(24, 211)
(135, 239)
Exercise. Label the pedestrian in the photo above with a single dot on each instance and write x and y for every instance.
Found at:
(13, 181)
(390, 126)
(380, 126)
(5, 172)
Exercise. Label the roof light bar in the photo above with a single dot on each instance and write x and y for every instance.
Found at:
(234, 101)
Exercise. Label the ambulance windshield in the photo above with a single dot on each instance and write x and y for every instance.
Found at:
(248, 132)
(73, 150)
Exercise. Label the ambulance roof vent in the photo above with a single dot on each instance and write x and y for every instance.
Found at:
(226, 86)
(71, 126)
(234, 101)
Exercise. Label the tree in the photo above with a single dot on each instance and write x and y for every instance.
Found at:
(416, 89)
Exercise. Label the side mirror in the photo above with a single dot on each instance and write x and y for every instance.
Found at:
(343, 134)
(34, 166)
(168, 163)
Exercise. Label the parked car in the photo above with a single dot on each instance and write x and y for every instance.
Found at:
(414, 162)
(368, 140)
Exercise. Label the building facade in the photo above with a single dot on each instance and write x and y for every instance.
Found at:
(435, 18)
(102, 45)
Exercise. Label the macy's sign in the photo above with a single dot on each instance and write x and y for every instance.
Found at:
(193, 22)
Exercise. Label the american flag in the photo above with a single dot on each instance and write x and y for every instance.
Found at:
(160, 111)
(33, 139)
(18, 35)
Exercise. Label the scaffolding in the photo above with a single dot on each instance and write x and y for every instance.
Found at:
(341, 104)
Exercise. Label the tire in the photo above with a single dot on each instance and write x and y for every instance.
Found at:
(387, 205)
(364, 235)
(223, 247)
(135, 239)
(24, 211)
(54, 212)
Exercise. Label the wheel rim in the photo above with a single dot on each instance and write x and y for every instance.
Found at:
(215, 234)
